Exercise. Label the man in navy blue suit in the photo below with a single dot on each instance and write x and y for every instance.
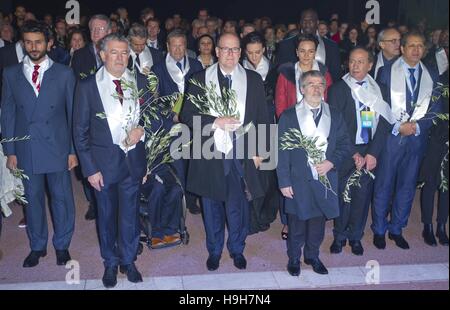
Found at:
(112, 156)
(327, 51)
(37, 101)
(407, 85)
(173, 73)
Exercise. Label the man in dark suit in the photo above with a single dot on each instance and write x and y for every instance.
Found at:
(85, 62)
(226, 183)
(154, 34)
(389, 43)
(10, 54)
(142, 57)
(173, 73)
(112, 156)
(327, 51)
(431, 169)
(408, 86)
(308, 203)
(368, 135)
(37, 101)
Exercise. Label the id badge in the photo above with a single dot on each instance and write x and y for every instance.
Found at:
(367, 118)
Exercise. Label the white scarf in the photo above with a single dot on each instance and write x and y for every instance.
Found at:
(121, 118)
(371, 96)
(399, 89)
(175, 73)
(262, 68)
(380, 63)
(222, 139)
(298, 75)
(441, 61)
(19, 51)
(309, 129)
(145, 58)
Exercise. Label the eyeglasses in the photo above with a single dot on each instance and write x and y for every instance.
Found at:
(99, 29)
(392, 41)
(233, 50)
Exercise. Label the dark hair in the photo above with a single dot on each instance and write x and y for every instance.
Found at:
(253, 37)
(77, 31)
(36, 27)
(309, 11)
(361, 48)
(303, 37)
(153, 19)
(412, 33)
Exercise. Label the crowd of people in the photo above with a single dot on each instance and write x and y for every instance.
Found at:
(366, 96)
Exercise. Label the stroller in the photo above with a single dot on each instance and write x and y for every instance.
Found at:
(163, 205)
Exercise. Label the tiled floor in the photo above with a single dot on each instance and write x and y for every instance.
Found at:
(337, 278)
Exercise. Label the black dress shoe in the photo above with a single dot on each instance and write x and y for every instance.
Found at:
(110, 277)
(442, 234)
(293, 267)
(133, 275)
(213, 262)
(33, 258)
(428, 235)
(91, 213)
(317, 265)
(239, 261)
(337, 245)
(399, 241)
(357, 247)
(62, 257)
(379, 242)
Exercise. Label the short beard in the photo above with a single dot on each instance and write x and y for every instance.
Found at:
(40, 56)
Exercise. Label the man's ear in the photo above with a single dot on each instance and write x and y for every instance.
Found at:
(103, 55)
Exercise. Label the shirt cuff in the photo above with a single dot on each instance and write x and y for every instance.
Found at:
(395, 131)
(417, 130)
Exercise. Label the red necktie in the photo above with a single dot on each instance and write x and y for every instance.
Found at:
(34, 77)
(119, 90)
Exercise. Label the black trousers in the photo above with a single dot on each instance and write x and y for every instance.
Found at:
(431, 175)
(307, 234)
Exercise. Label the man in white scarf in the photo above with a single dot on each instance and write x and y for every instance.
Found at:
(408, 86)
(308, 204)
(226, 182)
(365, 120)
(112, 156)
(389, 42)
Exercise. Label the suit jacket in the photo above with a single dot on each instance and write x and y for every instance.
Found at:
(157, 57)
(206, 177)
(384, 81)
(8, 57)
(167, 86)
(286, 53)
(46, 118)
(93, 141)
(340, 97)
(84, 62)
(310, 199)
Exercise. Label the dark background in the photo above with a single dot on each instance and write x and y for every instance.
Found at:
(281, 11)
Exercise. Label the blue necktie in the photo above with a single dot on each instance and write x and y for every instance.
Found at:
(138, 61)
(412, 79)
(229, 81)
(180, 66)
(366, 133)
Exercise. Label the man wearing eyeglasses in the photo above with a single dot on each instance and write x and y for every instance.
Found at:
(408, 86)
(308, 202)
(389, 42)
(225, 182)
(86, 60)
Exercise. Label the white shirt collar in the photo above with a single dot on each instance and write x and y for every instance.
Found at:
(225, 74)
